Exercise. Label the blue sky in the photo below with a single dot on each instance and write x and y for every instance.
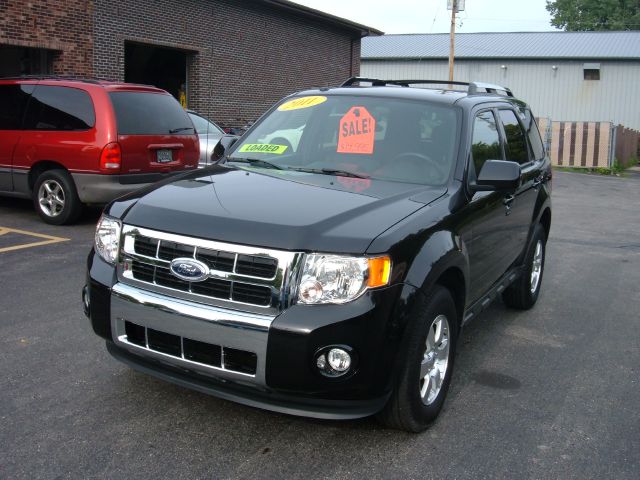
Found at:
(431, 16)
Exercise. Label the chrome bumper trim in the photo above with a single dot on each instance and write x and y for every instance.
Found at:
(205, 323)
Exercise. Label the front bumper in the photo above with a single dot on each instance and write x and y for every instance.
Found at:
(285, 379)
(265, 399)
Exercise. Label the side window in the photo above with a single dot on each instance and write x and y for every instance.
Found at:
(485, 144)
(59, 108)
(516, 146)
(13, 101)
(535, 141)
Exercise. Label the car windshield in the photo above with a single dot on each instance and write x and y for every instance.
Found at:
(358, 136)
(204, 126)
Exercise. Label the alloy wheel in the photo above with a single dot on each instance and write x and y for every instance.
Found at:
(435, 360)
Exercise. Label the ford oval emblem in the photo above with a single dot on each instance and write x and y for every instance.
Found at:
(189, 270)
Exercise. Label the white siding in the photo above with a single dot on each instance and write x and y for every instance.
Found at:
(561, 94)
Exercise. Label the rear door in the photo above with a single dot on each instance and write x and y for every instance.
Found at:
(517, 149)
(13, 102)
(59, 126)
(154, 132)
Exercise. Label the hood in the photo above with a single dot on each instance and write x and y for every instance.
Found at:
(276, 209)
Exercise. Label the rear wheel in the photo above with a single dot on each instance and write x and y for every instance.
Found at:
(523, 293)
(426, 369)
(55, 198)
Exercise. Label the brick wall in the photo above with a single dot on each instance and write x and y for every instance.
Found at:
(243, 55)
(64, 26)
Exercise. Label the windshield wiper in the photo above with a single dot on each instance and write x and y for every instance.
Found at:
(181, 129)
(255, 161)
(330, 171)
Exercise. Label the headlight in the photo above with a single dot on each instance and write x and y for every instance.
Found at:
(338, 279)
(107, 241)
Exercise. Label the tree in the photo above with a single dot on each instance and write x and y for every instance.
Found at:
(589, 15)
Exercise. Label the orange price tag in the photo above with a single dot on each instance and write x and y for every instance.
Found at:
(357, 131)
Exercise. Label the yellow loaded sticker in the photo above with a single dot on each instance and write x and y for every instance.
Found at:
(302, 102)
(263, 148)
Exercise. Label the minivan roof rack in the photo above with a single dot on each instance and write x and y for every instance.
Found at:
(51, 77)
(473, 88)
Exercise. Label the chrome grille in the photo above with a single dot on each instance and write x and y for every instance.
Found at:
(240, 277)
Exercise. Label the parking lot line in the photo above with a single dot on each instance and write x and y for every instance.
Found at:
(47, 239)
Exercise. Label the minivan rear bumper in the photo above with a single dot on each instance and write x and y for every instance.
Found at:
(100, 189)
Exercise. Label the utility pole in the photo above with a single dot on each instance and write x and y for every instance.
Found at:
(452, 37)
(455, 6)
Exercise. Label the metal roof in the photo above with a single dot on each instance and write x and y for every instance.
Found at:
(521, 45)
(327, 18)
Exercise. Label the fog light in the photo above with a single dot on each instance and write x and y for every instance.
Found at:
(339, 359)
(336, 360)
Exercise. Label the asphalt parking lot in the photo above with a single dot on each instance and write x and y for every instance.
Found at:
(549, 393)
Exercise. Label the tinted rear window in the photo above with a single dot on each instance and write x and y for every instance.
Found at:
(139, 113)
(13, 100)
(59, 108)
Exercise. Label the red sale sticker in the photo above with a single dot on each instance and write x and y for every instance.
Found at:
(357, 131)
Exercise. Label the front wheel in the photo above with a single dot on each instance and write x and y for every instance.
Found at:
(523, 293)
(427, 365)
(55, 198)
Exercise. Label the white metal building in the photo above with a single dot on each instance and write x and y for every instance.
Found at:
(567, 76)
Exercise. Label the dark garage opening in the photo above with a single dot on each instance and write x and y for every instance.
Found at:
(165, 68)
(24, 61)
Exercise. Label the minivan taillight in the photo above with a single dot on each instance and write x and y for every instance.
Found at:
(111, 158)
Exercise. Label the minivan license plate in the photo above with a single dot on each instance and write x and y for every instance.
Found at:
(164, 156)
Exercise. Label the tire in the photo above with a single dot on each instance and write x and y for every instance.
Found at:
(55, 198)
(410, 408)
(523, 293)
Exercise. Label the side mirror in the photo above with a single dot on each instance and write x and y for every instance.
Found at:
(222, 147)
(498, 175)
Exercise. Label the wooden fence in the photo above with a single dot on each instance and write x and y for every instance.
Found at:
(589, 144)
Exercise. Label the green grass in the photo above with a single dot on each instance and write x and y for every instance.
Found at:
(617, 169)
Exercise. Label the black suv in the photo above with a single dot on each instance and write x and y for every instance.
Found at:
(325, 266)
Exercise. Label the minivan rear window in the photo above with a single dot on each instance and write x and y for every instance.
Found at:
(143, 113)
(59, 108)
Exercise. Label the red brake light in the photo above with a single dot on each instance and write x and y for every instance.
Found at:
(111, 158)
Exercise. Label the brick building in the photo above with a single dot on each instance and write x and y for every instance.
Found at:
(233, 58)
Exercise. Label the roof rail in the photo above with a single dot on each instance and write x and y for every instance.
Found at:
(51, 77)
(473, 87)
(489, 88)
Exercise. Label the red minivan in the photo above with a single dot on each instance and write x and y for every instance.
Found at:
(68, 142)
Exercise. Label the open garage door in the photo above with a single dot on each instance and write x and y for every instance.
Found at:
(162, 67)
(24, 61)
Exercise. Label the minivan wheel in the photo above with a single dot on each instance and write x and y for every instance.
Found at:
(523, 293)
(426, 366)
(55, 198)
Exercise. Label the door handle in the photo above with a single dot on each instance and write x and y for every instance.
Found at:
(507, 201)
(537, 181)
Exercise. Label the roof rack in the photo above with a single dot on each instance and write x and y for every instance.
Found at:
(473, 87)
(51, 77)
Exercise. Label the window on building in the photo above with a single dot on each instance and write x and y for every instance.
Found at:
(591, 71)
